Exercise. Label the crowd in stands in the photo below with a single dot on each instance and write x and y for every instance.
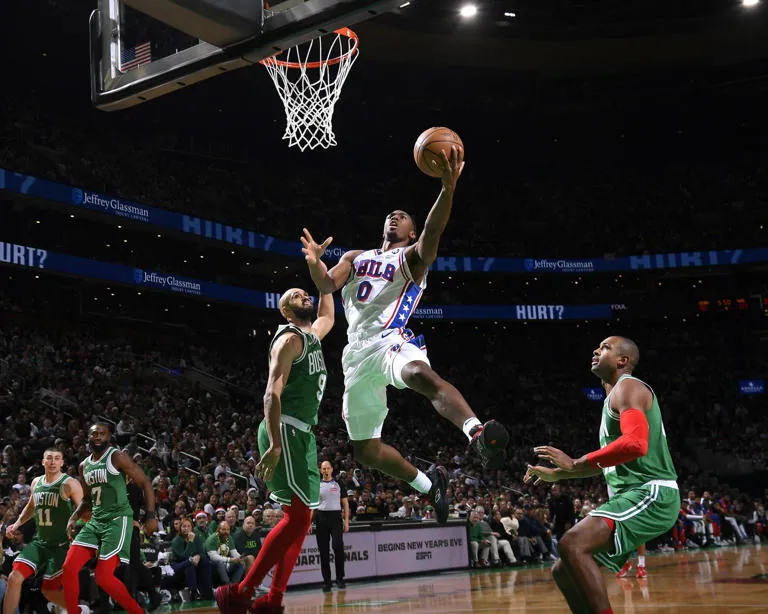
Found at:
(198, 444)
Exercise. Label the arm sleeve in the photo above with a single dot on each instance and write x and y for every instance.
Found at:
(632, 444)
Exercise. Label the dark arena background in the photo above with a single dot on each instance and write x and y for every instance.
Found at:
(615, 184)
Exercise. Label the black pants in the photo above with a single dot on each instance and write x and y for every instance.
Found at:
(330, 528)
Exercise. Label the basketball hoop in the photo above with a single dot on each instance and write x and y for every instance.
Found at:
(309, 81)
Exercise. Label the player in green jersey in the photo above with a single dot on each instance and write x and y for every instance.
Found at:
(108, 531)
(642, 483)
(50, 504)
(295, 387)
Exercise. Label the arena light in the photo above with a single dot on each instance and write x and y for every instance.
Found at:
(509, 15)
(749, 3)
(402, 6)
(468, 10)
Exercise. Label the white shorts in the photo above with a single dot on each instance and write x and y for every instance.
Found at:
(370, 365)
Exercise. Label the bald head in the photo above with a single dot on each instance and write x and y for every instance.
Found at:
(286, 298)
(628, 348)
(296, 305)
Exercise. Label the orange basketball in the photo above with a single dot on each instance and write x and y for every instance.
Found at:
(426, 151)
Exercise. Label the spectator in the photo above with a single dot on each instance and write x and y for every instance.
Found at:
(228, 566)
(190, 563)
(247, 542)
(503, 538)
(561, 511)
(201, 525)
(230, 516)
(479, 544)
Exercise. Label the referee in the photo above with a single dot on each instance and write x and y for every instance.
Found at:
(329, 524)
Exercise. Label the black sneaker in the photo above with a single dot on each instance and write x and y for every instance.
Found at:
(439, 477)
(327, 588)
(341, 583)
(155, 600)
(490, 442)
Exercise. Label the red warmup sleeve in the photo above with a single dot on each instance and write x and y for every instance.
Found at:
(632, 444)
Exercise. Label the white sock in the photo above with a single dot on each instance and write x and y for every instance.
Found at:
(469, 424)
(641, 561)
(421, 482)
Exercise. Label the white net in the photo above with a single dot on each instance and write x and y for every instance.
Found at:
(309, 79)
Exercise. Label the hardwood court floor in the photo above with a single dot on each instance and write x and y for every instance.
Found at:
(724, 580)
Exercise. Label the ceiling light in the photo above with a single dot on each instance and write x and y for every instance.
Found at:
(509, 15)
(402, 6)
(468, 10)
(749, 3)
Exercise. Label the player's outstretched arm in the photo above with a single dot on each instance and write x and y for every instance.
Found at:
(326, 281)
(124, 463)
(565, 468)
(425, 248)
(285, 350)
(325, 316)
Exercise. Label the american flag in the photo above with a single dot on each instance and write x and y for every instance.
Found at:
(136, 56)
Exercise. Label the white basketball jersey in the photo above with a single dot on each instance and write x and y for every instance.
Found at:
(380, 293)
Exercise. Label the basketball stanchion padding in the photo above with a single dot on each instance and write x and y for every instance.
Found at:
(309, 79)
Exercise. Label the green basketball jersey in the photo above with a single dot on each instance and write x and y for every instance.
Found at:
(52, 510)
(109, 496)
(306, 384)
(655, 465)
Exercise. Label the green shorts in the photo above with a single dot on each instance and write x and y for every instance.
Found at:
(110, 538)
(44, 557)
(641, 514)
(296, 472)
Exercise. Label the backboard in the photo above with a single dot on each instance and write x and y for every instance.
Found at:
(143, 49)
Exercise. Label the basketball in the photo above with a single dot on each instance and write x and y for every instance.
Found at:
(426, 151)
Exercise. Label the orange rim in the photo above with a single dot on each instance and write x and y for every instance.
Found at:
(273, 61)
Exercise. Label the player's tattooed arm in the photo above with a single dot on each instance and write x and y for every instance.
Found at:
(326, 281)
(423, 253)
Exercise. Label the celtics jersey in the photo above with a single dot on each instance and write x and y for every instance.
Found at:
(52, 510)
(306, 384)
(655, 465)
(109, 496)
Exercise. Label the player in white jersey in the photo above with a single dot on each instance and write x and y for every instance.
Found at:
(380, 289)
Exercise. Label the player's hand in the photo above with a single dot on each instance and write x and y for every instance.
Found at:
(71, 526)
(453, 166)
(150, 527)
(266, 467)
(346, 527)
(312, 251)
(11, 529)
(557, 457)
(540, 474)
